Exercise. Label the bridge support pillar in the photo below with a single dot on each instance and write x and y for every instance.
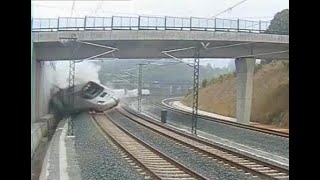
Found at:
(38, 92)
(244, 69)
(33, 85)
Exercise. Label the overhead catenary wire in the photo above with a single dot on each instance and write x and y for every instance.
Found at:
(231, 45)
(99, 5)
(205, 47)
(180, 60)
(101, 10)
(166, 52)
(79, 9)
(230, 8)
(98, 45)
(92, 44)
(72, 8)
(175, 50)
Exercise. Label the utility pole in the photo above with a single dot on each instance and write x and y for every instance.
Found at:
(72, 71)
(195, 90)
(70, 91)
(196, 69)
(140, 87)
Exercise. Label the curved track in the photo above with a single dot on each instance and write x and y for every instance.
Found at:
(234, 159)
(254, 128)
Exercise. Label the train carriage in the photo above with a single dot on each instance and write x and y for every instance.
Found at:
(87, 96)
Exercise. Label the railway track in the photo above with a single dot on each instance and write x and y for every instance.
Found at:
(154, 163)
(234, 159)
(259, 129)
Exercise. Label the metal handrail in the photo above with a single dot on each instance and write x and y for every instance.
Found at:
(150, 23)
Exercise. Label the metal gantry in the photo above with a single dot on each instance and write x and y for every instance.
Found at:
(72, 74)
(196, 69)
(195, 90)
(72, 68)
(140, 87)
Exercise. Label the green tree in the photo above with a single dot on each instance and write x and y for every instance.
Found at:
(280, 23)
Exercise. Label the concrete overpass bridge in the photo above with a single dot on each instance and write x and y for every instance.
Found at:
(157, 37)
(147, 37)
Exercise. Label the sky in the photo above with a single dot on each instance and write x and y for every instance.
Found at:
(250, 9)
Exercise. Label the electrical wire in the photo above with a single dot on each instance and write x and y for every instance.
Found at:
(74, 1)
(229, 9)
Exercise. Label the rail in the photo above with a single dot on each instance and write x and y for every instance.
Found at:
(149, 23)
(246, 163)
(250, 127)
(152, 160)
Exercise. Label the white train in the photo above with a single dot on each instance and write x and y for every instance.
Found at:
(87, 96)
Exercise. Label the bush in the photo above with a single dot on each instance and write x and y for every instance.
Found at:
(212, 81)
(222, 77)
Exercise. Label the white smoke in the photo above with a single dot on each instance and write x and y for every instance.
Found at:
(54, 75)
(46, 82)
(85, 71)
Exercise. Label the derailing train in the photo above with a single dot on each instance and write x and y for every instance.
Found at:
(86, 97)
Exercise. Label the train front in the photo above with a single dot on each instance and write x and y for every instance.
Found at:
(97, 97)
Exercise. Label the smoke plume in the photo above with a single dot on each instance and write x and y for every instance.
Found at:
(85, 71)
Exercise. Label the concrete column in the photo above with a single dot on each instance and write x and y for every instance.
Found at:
(37, 89)
(33, 84)
(244, 69)
(42, 93)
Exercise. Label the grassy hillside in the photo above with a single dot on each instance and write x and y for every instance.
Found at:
(270, 103)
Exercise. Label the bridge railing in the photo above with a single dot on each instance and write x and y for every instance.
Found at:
(149, 23)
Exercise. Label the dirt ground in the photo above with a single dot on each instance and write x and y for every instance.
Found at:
(270, 98)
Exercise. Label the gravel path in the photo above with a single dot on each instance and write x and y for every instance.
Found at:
(53, 150)
(73, 168)
(96, 157)
(205, 166)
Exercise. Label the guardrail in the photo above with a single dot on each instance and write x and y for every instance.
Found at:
(149, 23)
